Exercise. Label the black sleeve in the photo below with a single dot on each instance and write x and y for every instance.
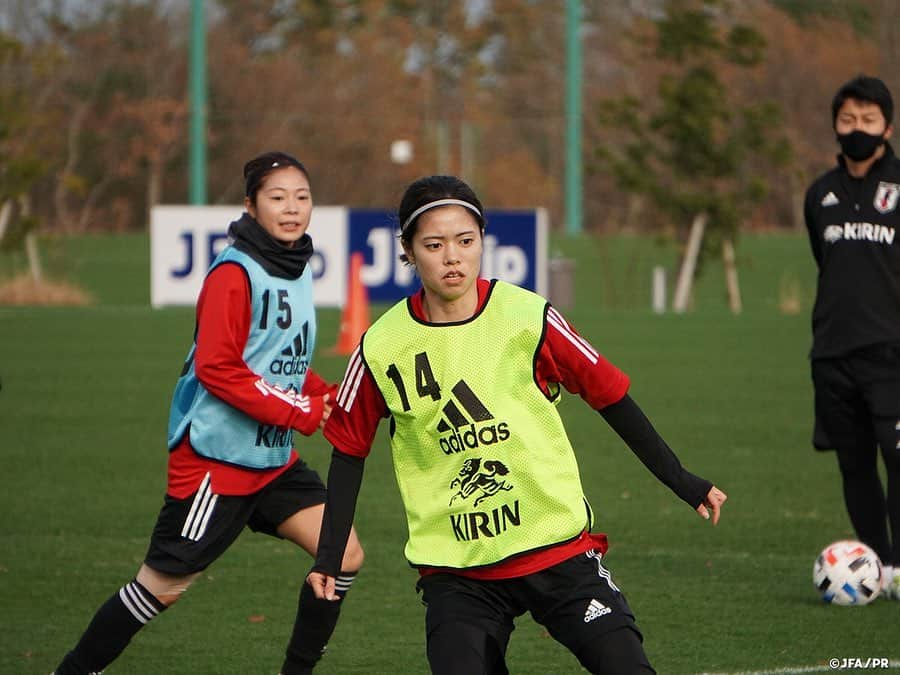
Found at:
(629, 421)
(344, 480)
(809, 217)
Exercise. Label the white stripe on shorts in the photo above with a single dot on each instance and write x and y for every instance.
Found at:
(601, 570)
(201, 511)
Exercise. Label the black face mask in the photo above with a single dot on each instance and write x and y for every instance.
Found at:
(858, 145)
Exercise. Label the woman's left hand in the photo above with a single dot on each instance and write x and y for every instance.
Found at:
(713, 503)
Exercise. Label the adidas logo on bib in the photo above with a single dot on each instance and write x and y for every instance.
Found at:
(595, 610)
(459, 432)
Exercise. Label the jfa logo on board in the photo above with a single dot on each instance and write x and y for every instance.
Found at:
(514, 250)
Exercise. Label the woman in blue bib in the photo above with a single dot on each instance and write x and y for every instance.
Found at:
(469, 371)
(245, 386)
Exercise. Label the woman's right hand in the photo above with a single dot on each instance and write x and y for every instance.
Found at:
(712, 503)
(322, 585)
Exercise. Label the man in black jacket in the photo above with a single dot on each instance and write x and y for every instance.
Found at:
(853, 218)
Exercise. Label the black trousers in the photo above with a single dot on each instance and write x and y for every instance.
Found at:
(857, 400)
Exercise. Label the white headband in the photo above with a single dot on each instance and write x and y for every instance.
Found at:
(440, 202)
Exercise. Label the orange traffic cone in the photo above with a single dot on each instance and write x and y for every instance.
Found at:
(355, 319)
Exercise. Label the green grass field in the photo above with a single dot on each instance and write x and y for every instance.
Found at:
(83, 409)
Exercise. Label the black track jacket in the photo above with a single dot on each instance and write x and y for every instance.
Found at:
(854, 232)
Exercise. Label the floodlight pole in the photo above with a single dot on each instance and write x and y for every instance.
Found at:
(573, 213)
(198, 104)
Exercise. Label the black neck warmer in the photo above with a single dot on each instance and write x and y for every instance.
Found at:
(276, 258)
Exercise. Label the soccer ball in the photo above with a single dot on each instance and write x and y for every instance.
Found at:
(847, 573)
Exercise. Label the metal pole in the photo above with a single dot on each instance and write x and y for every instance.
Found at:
(467, 153)
(573, 117)
(198, 104)
(442, 130)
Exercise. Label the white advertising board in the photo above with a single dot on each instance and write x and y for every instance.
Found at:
(184, 240)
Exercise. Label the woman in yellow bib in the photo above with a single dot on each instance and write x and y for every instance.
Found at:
(469, 373)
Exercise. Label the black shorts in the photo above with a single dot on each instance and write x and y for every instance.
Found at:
(190, 534)
(853, 393)
(576, 600)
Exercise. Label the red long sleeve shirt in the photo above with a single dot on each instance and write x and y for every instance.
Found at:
(564, 357)
(223, 324)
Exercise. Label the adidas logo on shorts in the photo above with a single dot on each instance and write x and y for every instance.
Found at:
(595, 610)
